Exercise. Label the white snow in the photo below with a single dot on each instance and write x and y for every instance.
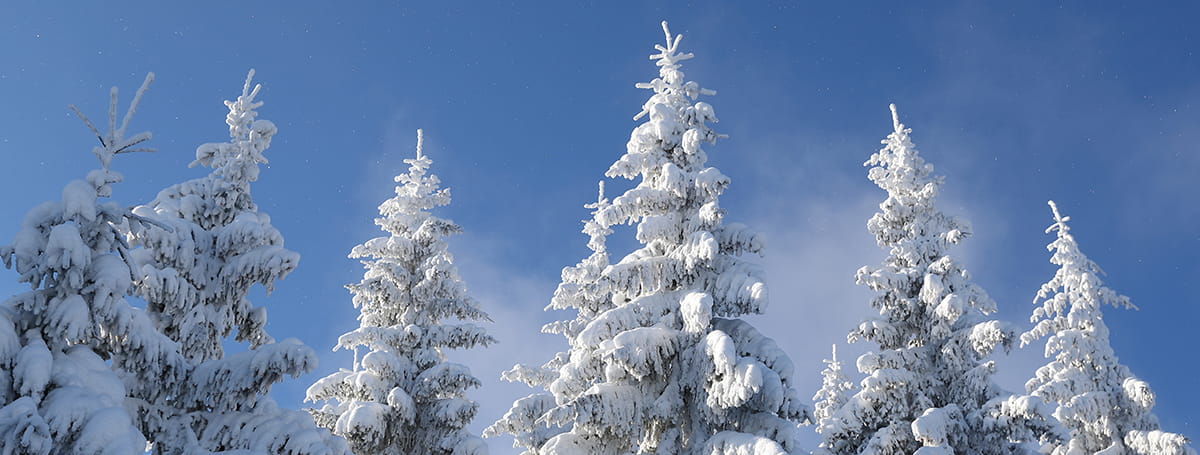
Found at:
(929, 386)
(1099, 401)
(404, 397)
(654, 366)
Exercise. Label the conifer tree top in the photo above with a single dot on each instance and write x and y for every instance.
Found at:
(930, 383)
(657, 362)
(1072, 299)
(1099, 400)
(72, 349)
(899, 168)
(114, 142)
(403, 396)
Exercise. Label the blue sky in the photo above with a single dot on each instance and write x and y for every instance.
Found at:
(525, 104)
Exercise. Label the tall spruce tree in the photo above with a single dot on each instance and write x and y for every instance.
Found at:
(665, 366)
(403, 396)
(208, 247)
(1105, 408)
(929, 386)
(72, 348)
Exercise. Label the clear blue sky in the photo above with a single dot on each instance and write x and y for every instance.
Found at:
(525, 104)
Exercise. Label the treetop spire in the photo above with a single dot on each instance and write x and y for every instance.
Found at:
(899, 127)
(672, 44)
(114, 141)
(420, 143)
(1060, 222)
(242, 110)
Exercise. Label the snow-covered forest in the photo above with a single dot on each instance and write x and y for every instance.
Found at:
(647, 308)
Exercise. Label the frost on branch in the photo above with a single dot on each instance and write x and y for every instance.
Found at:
(403, 397)
(658, 361)
(1099, 401)
(206, 247)
(72, 349)
(929, 386)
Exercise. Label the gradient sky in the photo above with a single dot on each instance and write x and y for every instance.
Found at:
(525, 105)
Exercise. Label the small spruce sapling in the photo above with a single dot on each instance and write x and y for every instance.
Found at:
(835, 390)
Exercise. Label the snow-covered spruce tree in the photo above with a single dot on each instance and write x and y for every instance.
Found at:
(70, 348)
(584, 289)
(194, 273)
(835, 390)
(929, 386)
(403, 396)
(1105, 408)
(665, 366)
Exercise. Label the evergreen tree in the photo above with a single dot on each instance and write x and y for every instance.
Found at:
(1105, 407)
(72, 348)
(403, 396)
(929, 386)
(209, 245)
(665, 366)
(584, 289)
(834, 393)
